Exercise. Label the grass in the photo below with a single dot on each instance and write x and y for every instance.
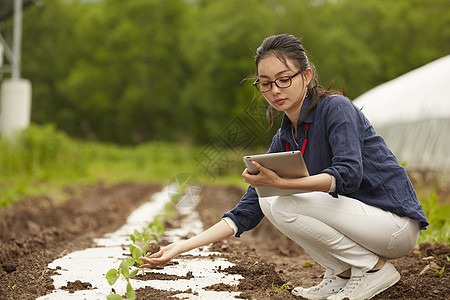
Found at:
(43, 160)
(438, 217)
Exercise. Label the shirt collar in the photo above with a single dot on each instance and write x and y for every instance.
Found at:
(286, 123)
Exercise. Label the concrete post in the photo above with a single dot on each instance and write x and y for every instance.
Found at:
(15, 106)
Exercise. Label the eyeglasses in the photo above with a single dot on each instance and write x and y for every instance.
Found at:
(281, 82)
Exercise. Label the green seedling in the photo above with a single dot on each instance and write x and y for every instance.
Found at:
(12, 287)
(153, 231)
(124, 269)
(284, 287)
(114, 297)
(137, 252)
(279, 289)
(439, 272)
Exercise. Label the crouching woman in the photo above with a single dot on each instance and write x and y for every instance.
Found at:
(359, 208)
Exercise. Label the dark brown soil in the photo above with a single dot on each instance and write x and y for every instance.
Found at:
(159, 276)
(77, 285)
(37, 230)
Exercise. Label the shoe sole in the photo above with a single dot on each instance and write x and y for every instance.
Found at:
(311, 297)
(387, 284)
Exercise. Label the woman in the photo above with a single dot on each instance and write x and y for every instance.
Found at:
(359, 208)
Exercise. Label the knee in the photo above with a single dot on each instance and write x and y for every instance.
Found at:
(266, 206)
(283, 210)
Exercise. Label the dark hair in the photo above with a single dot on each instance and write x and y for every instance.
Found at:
(284, 47)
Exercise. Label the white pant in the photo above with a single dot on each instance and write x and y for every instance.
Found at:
(341, 232)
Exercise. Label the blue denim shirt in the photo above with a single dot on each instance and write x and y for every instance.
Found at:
(342, 143)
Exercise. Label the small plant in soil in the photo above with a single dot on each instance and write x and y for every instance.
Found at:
(439, 272)
(124, 269)
(153, 231)
(284, 287)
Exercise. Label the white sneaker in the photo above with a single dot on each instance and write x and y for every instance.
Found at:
(366, 285)
(331, 284)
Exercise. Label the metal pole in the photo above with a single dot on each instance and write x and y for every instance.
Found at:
(17, 39)
(8, 52)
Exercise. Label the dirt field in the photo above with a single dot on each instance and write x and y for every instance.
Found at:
(37, 231)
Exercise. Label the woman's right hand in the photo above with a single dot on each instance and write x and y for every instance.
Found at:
(161, 257)
(213, 234)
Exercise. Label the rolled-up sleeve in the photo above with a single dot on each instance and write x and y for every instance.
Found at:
(346, 137)
(247, 213)
(231, 224)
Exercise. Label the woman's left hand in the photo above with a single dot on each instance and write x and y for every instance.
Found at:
(265, 177)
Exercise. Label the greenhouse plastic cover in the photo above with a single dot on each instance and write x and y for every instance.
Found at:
(412, 113)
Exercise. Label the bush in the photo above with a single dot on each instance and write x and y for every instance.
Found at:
(37, 154)
(437, 215)
(40, 149)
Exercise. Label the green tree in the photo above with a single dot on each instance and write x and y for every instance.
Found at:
(220, 44)
(361, 44)
(49, 50)
(129, 78)
(141, 70)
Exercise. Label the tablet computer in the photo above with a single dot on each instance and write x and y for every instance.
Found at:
(288, 164)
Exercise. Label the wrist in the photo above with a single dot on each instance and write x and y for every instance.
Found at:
(282, 183)
(182, 246)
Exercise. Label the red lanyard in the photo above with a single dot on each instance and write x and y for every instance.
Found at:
(304, 141)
